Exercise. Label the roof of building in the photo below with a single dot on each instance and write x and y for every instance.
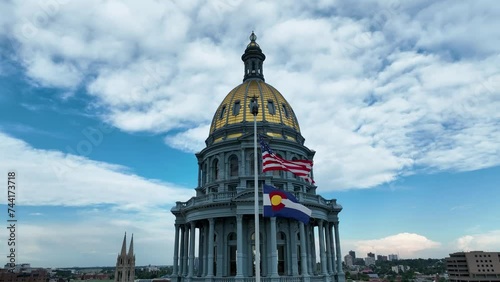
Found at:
(273, 107)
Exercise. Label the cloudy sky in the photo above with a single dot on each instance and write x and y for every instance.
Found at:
(103, 104)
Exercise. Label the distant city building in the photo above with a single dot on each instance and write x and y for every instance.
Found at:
(369, 261)
(359, 261)
(370, 255)
(381, 258)
(32, 275)
(348, 261)
(393, 257)
(125, 262)
(352, 254)
(21, 267)
(474, 266)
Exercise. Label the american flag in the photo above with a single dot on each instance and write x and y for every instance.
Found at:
(271, 161)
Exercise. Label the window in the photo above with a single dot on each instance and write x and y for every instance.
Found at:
(251, 166)
(215, 169)
(285, 110)
(222, 112)
(236, 108)
(233, 166)
(278, 172)
(204, 175)
(297, 188)
(270, 107)
(281, 243)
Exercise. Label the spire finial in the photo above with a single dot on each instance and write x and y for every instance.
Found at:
(253, 59)
(253, 37)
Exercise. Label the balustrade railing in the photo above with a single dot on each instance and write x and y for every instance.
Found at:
(224, 196)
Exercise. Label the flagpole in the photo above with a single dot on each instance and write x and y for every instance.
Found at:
(255, 110)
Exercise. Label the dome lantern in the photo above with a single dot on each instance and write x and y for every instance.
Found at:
(253, 59)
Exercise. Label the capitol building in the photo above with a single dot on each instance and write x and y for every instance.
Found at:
(215, 230)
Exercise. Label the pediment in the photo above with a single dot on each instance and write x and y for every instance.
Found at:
(244, 196)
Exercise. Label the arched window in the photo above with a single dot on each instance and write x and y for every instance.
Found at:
(233, 166)
(270, 107)
(215, 169)
(236, 108)
(222, 112)
(285, 110)
(204, 174)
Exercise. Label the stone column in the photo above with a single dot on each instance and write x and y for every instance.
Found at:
(176, 250)
(313, 253)
(328, 248)
(205, 249)
(303, 251)
(186, 251)
(309, 249)
(321, 233)
(340, 272)
(292, 245)
(274, 249)
(181, 255)
(332, 247)
(191, 249)
(239, 246)
(210, 260)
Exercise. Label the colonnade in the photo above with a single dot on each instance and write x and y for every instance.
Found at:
(218, 254)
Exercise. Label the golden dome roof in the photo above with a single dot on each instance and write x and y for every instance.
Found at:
(273, 108)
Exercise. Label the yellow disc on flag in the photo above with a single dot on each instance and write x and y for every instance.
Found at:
(276, 200)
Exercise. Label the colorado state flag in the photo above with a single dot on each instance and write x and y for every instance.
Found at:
(284, 204)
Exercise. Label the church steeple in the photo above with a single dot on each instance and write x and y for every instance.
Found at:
(124, 245)
(131, 248)
(253, 59)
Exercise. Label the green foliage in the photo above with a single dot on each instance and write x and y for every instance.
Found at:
(144, 274)
(423, 266)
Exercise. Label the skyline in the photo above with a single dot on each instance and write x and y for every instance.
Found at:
(104, 103)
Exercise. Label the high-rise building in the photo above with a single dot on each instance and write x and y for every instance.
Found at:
(352, 254)
(369, 261)
(370, 255)
(393, 257)
(381, 258)
(219, 220)
(474, 266)
(348, 260)
(125, 262)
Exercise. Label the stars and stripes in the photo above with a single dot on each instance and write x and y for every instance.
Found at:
(271, 161)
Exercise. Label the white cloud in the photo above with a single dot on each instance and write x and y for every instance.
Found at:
(489, 241)
(47, 243)
(406, 245)
(189, 140)
(52, 178)
(109, 200)
(395, 88)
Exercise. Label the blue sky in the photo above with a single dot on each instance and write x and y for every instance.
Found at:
(104, 103)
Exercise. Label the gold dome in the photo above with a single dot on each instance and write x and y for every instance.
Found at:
(273, 108)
